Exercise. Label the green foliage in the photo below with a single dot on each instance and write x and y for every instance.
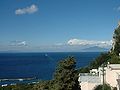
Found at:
(103, 58)
(66, 76)
(18, 87)
(84, 70)
(114, 59)
(114, 88)
(117, 41)
(106, 87)
(6, 88)
(42, 85)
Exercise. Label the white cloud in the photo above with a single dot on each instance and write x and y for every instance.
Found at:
(23, 43)
(27, 10)
(118, 8)
(89, 42)
(18, 43)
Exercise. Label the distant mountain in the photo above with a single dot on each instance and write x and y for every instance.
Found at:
(95, 49)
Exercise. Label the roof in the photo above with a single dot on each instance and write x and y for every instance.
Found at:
(114, 66)
(90, 79)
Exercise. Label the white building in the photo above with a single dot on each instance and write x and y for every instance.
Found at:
(113, 74)
(89, 81)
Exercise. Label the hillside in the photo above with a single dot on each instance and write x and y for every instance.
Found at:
(95, 49)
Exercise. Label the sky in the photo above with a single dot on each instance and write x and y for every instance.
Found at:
(57, 25)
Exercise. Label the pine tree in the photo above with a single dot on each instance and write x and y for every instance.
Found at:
(66, 76)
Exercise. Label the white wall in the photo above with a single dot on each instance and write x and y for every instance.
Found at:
(111, 77)
(89, 82)
(88, 85)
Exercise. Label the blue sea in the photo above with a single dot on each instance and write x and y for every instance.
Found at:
(40, 66)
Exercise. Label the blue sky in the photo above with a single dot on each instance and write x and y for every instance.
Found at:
(46, 25)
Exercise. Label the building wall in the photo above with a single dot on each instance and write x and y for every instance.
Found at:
(111, 77)
(112, 74)
(88, 85)
(100, 70)
(88, 82)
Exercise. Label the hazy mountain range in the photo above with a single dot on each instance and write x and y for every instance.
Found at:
(64, 49)
(95, 49)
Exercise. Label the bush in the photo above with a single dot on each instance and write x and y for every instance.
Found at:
(106, 87)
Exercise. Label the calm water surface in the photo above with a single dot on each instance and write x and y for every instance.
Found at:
(39, 65)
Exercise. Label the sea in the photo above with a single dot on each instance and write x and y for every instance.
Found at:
(33, 67)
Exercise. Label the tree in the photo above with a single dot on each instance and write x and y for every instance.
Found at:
(66, 76)
(84, 69)
(116, 38)
(103, 58)
(106, 87)
(114, 59)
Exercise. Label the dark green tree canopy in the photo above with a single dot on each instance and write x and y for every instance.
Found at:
(106, 87)
(116, 38)
(66, 76)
